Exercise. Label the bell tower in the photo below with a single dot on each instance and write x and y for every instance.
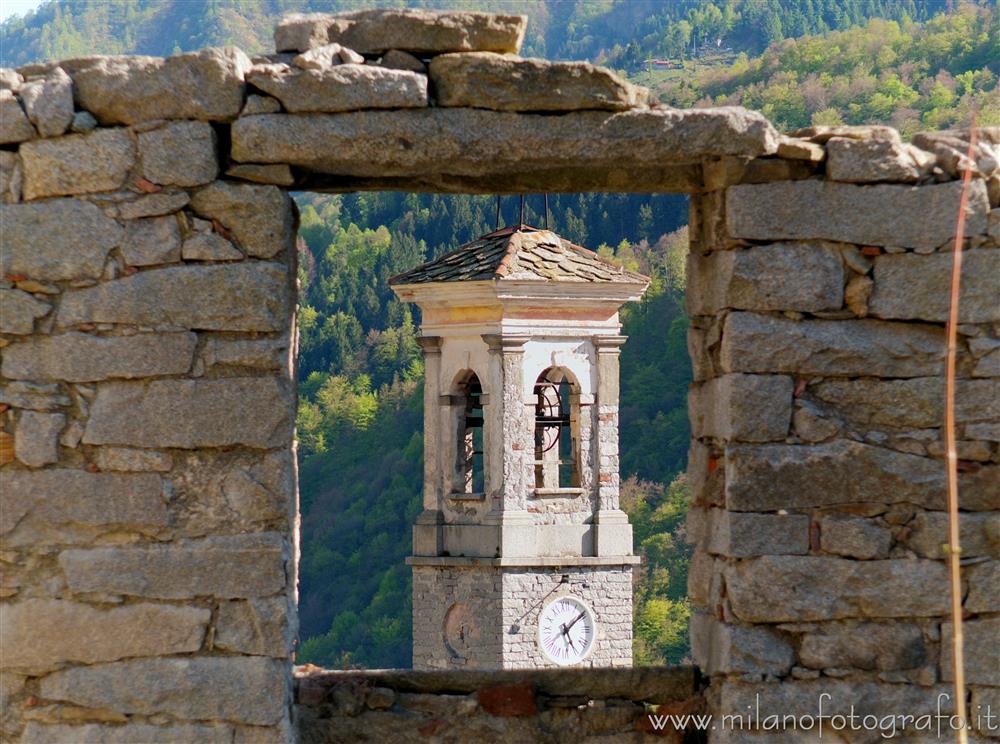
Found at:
(521, 555)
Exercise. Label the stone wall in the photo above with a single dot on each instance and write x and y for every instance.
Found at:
(818, 289)
(561, 706)
(148, 481)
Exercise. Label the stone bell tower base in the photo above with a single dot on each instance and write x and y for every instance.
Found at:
(509, 598)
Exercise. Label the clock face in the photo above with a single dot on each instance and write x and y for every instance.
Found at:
(566, 630)
(460, 630)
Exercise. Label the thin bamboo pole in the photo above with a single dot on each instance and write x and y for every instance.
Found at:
(954, 544)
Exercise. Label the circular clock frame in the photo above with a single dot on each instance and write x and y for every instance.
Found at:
(459, 630)
(583, 606)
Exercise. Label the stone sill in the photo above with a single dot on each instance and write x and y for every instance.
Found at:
(559, 491)
(570, 560)
(463, 496)
(657, 684)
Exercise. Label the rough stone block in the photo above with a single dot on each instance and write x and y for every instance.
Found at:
(77, 240)
(260, 627)
(33, 396)
(854, 537)
(341, 88)
(35, 633)
(979, 534)
(226, 297)
(19, 310)
(745, 408)
(328, 55)
(914, 287)
(260, 105)
(251, 411)
(774, 589)
(36, 440)
(11, 177)
(916, 403)
(744, 534)
(806, 277)
(238, 689)
(14, 124)
(277, 174)
(400, 60)
(475, 143)
(152, 241)
(207, 84)
(868, 646)
(77, 163)
(810, 425)
(209, 247)
(983, 582)
(262, 353)
(723, 173)
(985, 700)
(260, 217)
(704, 580)
(722, 648)
(510, 83)
(179, 154)
(82, 357)
(766, 344)
(412, 30)
(801, 698)
(49, 103)
(132, 460)
(224, 566)
(800, 149)
(869, 161)
(130, 733)
(153, 205)
(768, 477)
(913, 217)
(982, 651)
(63, 496)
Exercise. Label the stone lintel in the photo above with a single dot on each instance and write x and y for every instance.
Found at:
(431, 144)
(684, 178)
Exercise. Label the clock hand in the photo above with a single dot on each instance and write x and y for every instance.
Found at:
(567, 627)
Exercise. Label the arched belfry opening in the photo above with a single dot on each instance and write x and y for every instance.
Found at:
(469, 443)
(557, 432)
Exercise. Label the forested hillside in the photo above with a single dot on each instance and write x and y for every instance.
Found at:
(359, 418)
(913, 76)
(621, 33)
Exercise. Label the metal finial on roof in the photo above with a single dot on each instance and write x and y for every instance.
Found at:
(520, 222)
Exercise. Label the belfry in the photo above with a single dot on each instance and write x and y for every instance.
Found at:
(521, 555)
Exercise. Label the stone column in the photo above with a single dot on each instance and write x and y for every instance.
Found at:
(427, 538)
(613, 533)
(509, 446)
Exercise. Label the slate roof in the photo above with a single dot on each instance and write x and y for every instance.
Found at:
(519, 253)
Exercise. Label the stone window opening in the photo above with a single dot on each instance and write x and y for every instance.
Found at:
(469, 463)
(557, 433)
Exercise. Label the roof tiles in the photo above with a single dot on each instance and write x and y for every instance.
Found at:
(519, 253)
